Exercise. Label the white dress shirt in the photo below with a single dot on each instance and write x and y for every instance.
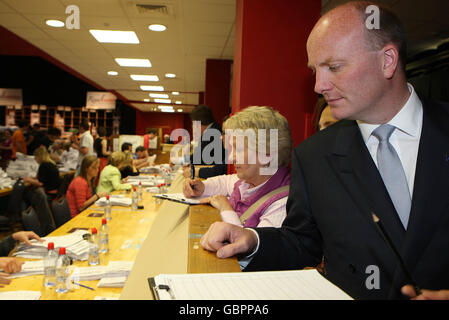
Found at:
(405, 139)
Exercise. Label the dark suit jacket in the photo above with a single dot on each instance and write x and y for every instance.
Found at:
(335, 185)
(207, 144)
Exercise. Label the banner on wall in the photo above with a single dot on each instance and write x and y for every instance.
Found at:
(10, 97)
(100, 100)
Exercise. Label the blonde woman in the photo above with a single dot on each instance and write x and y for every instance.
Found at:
(127, 167)
(47, 174)
(80, 194)
(255, 196)
(110, 177)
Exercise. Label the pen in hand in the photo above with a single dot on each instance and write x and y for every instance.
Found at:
(192, 175)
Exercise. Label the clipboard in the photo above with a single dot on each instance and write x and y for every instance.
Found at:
(155, 289)
(177, 197)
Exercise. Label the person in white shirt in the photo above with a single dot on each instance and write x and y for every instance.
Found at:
(86, 146)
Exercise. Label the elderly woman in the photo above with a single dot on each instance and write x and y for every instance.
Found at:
(256, 196)
(110, 177)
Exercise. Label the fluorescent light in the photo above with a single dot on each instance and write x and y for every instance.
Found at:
(125, 62)
(55, 23)
(179, 110)
(178, 102)
(115, 36)
(152, 88)
(157, 27)
(159, 95)
(175, 93)
(170, 75)
(168, 111)
(143, 77)
(162, 100)
(112, 73)
(146, 100)
(165, 107)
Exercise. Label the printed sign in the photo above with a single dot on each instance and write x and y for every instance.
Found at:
(10, 97)
(100, 100)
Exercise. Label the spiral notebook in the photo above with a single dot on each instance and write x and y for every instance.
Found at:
(271, 285)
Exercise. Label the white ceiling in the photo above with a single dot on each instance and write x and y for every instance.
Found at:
(196, 30)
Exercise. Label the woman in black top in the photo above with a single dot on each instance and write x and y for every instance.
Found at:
(101, 148)
(47, 174)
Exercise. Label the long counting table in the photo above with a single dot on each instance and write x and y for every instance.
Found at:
(159, 238)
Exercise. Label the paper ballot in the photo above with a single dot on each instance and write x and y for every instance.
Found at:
(273, 285)
(116, 200)
(20, 295)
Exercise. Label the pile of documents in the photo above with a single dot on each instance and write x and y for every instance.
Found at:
(146, 181)
(69, 160)
(76, 247)
(5, 181)
(20, 295)
(116, 200)
(29, 268)
(113, 275)
(23, 166)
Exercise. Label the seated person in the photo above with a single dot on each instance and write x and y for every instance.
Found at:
(257, 198)
(110, 177)
(80, 193)
(128, 168)
(10, 264)
(143, 159)
(126, 146)
(47, 174)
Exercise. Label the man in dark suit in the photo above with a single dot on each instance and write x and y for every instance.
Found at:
(340, 175)
(210, 149)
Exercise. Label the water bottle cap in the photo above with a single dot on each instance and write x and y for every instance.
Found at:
(51, 246)
(61, 251)
(103, 221)
(140, 183)
(107, 197)
(134, 189)
(94, 230)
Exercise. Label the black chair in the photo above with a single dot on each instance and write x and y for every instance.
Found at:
(45, 217)
(30, 220)
(61, 211)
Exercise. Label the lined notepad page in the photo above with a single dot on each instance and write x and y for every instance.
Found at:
(278, 285)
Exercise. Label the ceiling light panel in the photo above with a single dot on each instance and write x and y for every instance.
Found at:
(126, 62)
(152, 88)
(143, 77)
(115, 36)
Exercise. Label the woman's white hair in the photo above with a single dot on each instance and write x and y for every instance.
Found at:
(256, 118)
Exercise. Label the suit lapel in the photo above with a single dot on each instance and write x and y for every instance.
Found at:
(431, 188)
(358, 173)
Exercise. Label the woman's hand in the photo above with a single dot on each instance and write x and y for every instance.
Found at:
(219, 201)
(193, 188)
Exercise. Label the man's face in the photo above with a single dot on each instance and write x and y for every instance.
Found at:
(347, 72)
(140, 154)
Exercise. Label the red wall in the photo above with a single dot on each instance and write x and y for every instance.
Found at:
(270, 59)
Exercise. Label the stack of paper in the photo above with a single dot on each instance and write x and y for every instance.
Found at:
(76, 247)
(116, 200)
(69, 160)
(20, 295)
(23, 166)
(88, 273)
(5, 181)
(112, 282)
(29, 268)
(119, 268)
(144, 183)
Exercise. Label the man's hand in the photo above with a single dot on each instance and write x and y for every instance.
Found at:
(10, 265)
(193, 188)
(229, 240)
(409, 291)
(25, 236)
(219, 201)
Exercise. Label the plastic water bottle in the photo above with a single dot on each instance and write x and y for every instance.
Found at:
(107, 209)
(139, 191)
(62, 272)
(135, 200)
(94, 257)
(163, 188)
(159, 191)
(104, 237)
(50, 266)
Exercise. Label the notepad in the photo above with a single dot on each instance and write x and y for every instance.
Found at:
(178, 197)
(272, 285)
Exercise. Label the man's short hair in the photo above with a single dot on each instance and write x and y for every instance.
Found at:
(84, 125)
(140, 149)
(202, 113)
(391, 29)
(22, 123)
(126, 145)
(54, 132)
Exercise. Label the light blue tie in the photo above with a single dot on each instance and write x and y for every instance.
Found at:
(392, 173)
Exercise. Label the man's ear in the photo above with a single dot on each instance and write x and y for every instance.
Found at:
(390, 60)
